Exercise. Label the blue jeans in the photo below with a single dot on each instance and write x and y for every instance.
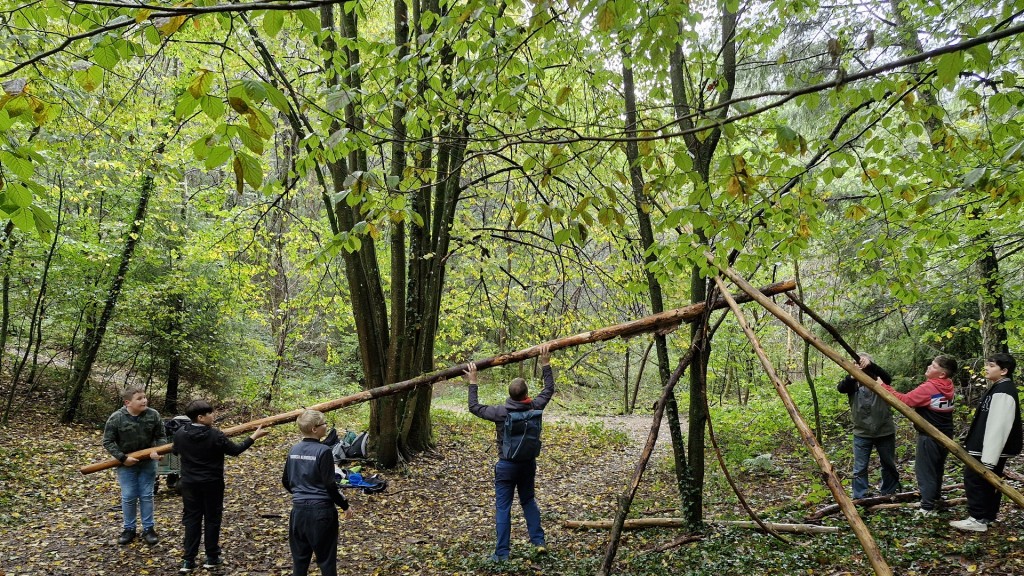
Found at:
(137, 487)
(508, 478)
(886, 448)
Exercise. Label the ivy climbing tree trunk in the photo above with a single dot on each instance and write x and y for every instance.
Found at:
(688, 94)
(93, 337)
(643, 208)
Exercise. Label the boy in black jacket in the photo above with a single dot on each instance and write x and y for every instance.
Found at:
(995, 435)
(202, 448)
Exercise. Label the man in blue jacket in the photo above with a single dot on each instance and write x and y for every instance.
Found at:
(512, 474)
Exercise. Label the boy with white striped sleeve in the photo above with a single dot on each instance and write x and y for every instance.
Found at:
(995, 436)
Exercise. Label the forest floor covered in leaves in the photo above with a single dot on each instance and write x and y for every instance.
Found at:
(436, 515)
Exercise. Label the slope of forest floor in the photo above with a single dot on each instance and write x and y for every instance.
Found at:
(436, 515)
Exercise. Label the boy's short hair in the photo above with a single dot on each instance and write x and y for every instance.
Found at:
(1005, 361)
(517, 389)
(198, 408)
(309, 420)
(948, 365)
(130, 392)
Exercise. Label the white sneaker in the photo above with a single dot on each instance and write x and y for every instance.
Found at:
(922, 513)
(970, 524)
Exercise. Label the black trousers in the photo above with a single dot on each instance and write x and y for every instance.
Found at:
(313, 530)
(982, 497)
(202, 509)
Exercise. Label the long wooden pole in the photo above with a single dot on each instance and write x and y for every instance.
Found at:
(824, 324)
(856, 372)
(663, 321)
(829, 475)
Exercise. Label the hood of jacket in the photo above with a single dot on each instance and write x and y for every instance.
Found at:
(195, 432)
(517, 405)
(943, 385)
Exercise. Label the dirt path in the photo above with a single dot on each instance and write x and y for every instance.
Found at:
(637, 426)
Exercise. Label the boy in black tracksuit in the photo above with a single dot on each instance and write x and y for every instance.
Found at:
(309, 477)
(202, 448)
(995, 435)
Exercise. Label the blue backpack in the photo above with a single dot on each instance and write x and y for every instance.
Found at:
(521, 441)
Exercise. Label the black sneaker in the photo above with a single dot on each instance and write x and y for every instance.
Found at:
(126, 537)
(187, 566)
(212, 562)
(150, 537)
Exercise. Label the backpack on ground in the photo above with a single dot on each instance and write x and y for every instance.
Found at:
(172, 425)
(349, 446)
(521, 441)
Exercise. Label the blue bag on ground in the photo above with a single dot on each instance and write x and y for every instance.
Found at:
(353, 479)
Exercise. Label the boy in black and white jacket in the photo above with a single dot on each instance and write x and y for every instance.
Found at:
(995, 435)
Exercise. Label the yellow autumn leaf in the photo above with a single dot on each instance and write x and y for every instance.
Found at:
(168, 26)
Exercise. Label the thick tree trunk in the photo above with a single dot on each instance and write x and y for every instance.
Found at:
(94, 334)
(686, 101)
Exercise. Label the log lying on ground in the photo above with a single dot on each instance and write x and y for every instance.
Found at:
(947, 503)
(656, 322)
(875, 500)
(641, 523)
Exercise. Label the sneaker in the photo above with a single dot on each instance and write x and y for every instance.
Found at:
(970, 525)
(126, 537)
(150, 537)
(922, 513)
(540, 549)
(187, 566)
(212, 562)
(497, 559)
